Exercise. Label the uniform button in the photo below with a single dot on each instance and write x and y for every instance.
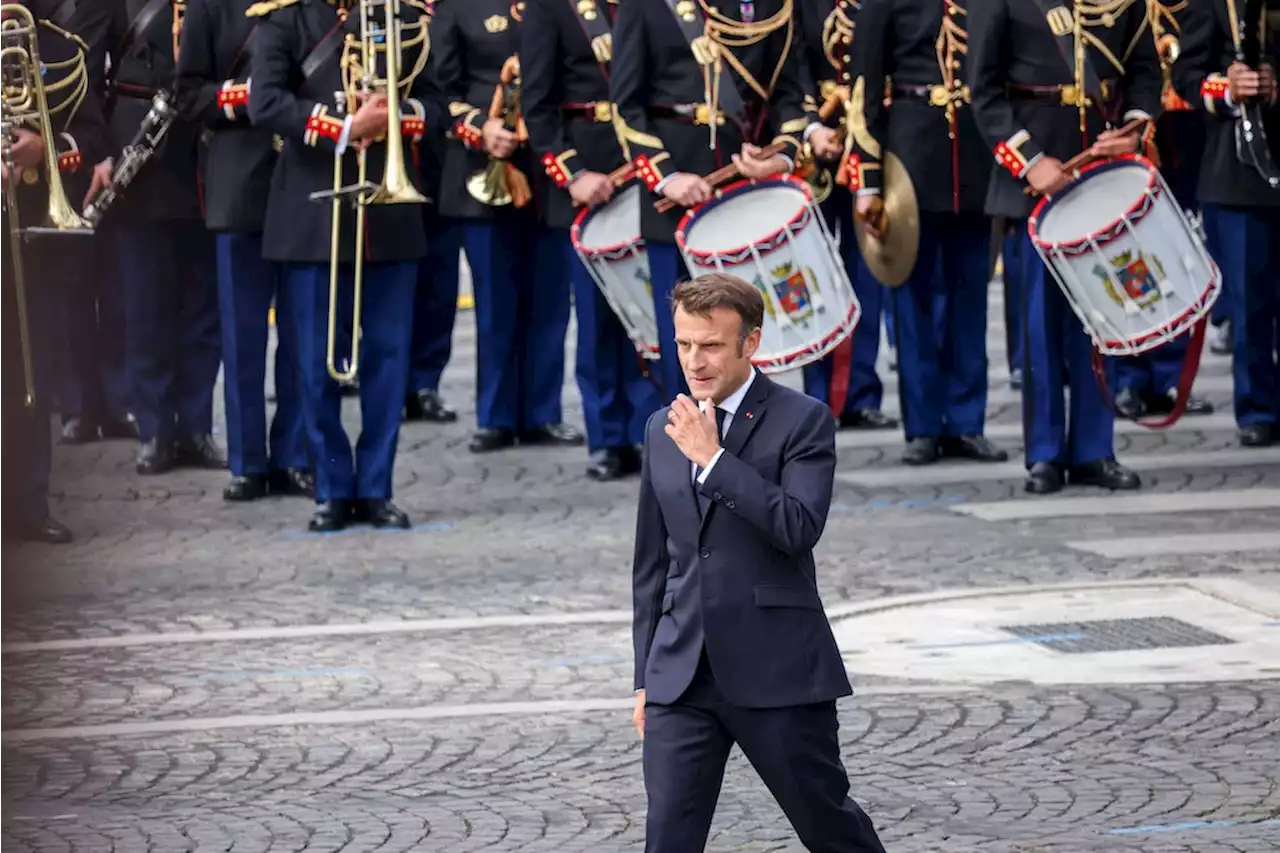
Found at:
(705, 554)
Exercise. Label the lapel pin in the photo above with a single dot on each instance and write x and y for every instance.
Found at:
(749, 415)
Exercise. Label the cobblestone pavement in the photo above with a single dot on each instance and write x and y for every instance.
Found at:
(192, 675)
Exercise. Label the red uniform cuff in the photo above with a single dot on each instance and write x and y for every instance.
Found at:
(231, 97)
(321, 124)
(648, 168)
(69, 162)
(561, 169)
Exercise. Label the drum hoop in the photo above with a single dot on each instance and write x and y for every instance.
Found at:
(817, 349)
(1113, 230)
(769, 241)
(609, 253)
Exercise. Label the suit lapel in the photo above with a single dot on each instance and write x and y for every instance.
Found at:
(749, 414)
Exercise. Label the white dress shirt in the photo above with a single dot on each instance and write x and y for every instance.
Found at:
(730, 407)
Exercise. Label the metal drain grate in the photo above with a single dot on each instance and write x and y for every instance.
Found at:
(1117, 635)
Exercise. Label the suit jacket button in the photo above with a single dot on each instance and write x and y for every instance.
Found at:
(705, 554)
(718, 496)
(730, 504)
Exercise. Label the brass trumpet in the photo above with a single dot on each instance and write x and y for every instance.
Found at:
(360, 64)
(24, 101)
(819, 178)
(499, 183)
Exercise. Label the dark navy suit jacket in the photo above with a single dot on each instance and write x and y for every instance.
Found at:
(738, 578)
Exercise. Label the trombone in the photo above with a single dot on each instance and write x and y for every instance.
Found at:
(24, 100)
(359, 76)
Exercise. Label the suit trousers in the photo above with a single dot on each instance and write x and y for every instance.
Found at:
(864, 389)
(1055, 342)
(435, 305)
(666, 268)
(520, 273)
(386, 320)
(1245, 242)
(942, 355)
(617, 398)
(795, 750)
(247, 284)
(174, 344)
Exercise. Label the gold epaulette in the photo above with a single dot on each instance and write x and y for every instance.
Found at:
(266, 7)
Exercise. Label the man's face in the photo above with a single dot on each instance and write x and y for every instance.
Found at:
(714, 363)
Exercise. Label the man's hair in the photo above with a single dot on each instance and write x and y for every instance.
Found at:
(715, 290)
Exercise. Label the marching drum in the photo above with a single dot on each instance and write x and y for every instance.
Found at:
(607, 239)
(1127, 257)
(771, 233)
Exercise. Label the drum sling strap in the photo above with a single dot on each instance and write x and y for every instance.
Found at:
(1186, 378)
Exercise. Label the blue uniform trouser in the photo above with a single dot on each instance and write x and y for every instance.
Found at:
(386, 312)
(247, 284)
(520, 275)
(171, 326)
(666, 267)
(1155, 372)
(942, 360)
(1012, 260)
(1054, 342)
(435, 305)
(95, 384)
(1246, 246)
(617, 398)
(864, 389)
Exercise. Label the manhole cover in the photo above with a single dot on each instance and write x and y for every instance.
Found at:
(1116, 635)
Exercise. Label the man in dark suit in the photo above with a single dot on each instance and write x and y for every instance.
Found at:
(731, 642)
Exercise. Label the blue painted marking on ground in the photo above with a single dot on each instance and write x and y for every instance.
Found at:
(908, 503)
(429, 527)
(283, 673)
(1013, 641)
(1275, 624)
(1192, 825)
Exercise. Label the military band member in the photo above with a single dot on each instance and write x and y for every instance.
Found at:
(519, 266)
(167, 259)
(48, 261)
(942, 355)
(213, 90)
(1227, 67)
(95, 392)
(1147, 384)
(1037, 107)
(846, 379)
(298, 92)
(565, 47)
(694, 86)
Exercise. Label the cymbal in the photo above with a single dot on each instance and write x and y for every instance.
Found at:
(891, 259)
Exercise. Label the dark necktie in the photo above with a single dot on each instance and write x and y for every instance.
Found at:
(721, 414)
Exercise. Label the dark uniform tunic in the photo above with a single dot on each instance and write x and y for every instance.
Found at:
(520, 267)
(296, 91)
(846, 379)
(1241, 211)
(920, 45)
(1026, 91)
(660, 92)
(79, 142)
(566, 48)
(213, 91)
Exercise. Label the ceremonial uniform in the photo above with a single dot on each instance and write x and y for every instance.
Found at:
(519, 267)
(213, 90)
(297, 92)
(94, 386)
(1239, 193)
(167, 258)
(565, 50)
(942, 371)
(1029, 100)
(47, 267)
(666, 110)
(846, 379)
(1148, 383)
